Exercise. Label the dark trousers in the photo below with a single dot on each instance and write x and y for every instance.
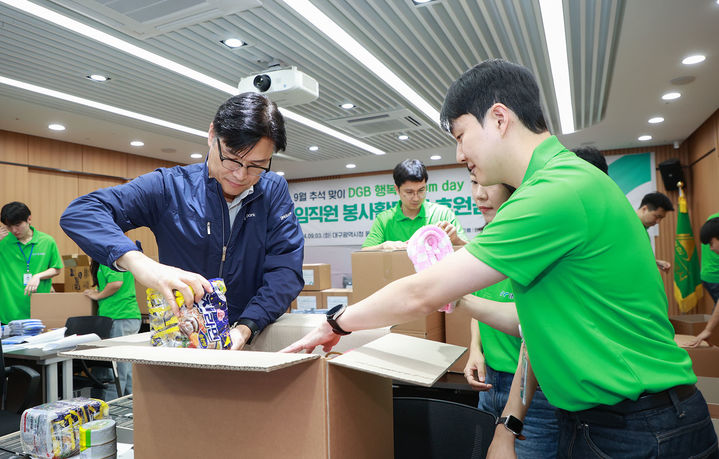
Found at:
(676, 424)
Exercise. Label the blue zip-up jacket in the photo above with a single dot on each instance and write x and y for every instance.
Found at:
(188, 214)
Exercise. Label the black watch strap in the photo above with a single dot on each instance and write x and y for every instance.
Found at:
(332, 316)
(512, 424)
(254, 329)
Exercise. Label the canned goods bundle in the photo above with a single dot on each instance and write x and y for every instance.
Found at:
(52, 430)
(202, 326)
(98, 439)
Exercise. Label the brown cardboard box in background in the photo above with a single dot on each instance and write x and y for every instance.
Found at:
(77, 272)
(318, 276)
(54, 308)
(307, 300)
(331, 297)
(430, 327)
(456, 330)
(338, 408)
(141, 294)
(372, 270)
(705, 360)
(692, 324)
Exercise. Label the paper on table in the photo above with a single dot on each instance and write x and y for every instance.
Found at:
(70, 342)
(47, 337)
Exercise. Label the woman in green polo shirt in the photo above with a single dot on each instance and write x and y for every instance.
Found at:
(493, 355)
(116, 299)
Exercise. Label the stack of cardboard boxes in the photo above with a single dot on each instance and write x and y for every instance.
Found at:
(317, 294)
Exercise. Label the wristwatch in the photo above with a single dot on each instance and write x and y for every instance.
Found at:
(332, 316)
(512, 424)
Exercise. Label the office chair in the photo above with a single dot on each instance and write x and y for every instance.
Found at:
(10, 419)
(426, 428)
(82, 368)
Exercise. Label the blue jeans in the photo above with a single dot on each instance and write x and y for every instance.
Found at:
(540, 424)
(682, 429)
(713, 289)
(122, 327)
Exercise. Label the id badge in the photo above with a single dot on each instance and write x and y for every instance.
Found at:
(26, 278)
(523, 381)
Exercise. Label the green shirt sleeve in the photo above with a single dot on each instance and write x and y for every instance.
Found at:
(531, 232)
(376, 233)
(109, 275)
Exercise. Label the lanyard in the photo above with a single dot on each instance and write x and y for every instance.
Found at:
(27, 260)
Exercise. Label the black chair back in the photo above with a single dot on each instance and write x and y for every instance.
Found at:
(10, 419)
(83, 325)
(426, 428)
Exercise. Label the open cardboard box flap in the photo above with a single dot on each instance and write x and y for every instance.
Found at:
(402, 357)
(210, 359)
(391, 355)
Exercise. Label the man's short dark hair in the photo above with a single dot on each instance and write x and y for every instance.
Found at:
(409, 170)
(494, 81)
(710, 229)
(246, 118)
(13, 213)
(653, 201)
(593, 156)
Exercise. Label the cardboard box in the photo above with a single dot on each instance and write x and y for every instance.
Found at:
(307, 300)
(372, 270)
(318, 276)
(430, 327)
(338, 408)
(331, 297)
(705, 361)
(456, 331)
(692, 324)
(54, 308)
(710, 390)
(77, 273)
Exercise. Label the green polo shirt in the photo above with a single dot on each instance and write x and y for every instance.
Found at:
(589, 297)
(500, 350)
(393, 225)
(710, 262)
(123, 303)
(14, 304)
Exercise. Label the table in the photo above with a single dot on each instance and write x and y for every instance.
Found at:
(120, 411)
(48, 362)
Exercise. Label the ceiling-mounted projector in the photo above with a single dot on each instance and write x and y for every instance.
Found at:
(284, 87)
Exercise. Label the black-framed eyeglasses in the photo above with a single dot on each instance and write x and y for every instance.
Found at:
(233, 164)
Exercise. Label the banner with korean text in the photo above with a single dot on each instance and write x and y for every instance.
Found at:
(341, 211)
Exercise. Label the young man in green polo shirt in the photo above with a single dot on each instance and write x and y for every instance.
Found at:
(589, 298)
(392, 228)
(116, 299)
(28, 260)
(651, 211)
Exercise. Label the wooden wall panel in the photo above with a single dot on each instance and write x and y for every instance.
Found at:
(138, 165)
(106, 162)
(53, 153)
(50, 193)
(147, 239)
(13, 184)
(13, 147)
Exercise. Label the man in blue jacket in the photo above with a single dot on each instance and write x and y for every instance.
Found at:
(228, 217)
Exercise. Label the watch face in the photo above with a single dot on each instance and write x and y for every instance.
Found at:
(514, 424)
(335, 310)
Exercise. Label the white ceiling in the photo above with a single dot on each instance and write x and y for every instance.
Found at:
(623, 56)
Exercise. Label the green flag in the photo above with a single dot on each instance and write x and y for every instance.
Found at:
(687, 284)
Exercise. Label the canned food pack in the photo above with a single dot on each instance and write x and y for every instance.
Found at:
(202, 326)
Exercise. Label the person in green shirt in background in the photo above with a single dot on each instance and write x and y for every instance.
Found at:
(709, 237)
(493, 355)
(651, 211)
(392, 228)
(115, 296)
(28, 260)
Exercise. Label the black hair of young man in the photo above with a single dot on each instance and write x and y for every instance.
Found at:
(246, 118)
(593, 156)
(13, 213)
(499, 81)
(409, 170)
(653, 201)
(710, 229)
